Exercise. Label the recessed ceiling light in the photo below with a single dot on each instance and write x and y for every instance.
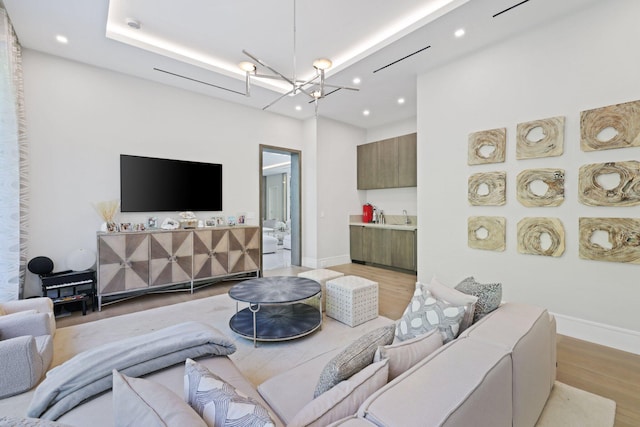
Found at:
(356, 81)
(62, 39)
(400, 101)
(133, 23)
(366, 112)
(459, 32)
(298, 108)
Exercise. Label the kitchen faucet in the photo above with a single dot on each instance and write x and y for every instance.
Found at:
(406, 217)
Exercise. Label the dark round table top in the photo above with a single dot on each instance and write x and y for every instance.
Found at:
(274, 290)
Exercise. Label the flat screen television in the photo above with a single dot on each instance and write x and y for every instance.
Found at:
(149, 184)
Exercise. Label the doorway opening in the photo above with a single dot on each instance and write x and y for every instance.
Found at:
(280, 207)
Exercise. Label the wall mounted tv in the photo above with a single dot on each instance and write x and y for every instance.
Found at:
(149, 184)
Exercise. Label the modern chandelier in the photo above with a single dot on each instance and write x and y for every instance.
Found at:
(315, 88)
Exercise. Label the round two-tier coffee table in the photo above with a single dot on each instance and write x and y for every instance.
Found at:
(276, 311)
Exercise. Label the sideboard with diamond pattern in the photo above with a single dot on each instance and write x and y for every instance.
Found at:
(136, 262)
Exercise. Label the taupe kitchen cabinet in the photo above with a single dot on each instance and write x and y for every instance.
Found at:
(355, 237)
(367, 166)
(386, 247)
(390, 163)
(375, 245)
(403, 249)
(407, 160)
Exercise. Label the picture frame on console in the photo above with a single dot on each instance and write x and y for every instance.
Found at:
(220, 221)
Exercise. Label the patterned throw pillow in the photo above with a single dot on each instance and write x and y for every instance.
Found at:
(489, 296)
(455, 297)
(356, 356)
(425, 312)
(219, 403)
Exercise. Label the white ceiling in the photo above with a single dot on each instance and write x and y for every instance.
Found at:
(203, 41)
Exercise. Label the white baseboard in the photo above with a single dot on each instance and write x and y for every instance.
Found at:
(599, 333)
(326, 262)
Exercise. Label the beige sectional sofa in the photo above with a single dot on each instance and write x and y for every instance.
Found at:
(498, 372)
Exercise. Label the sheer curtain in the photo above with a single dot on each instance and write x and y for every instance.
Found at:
(13, 166)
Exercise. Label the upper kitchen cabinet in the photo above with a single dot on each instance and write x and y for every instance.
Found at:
(367, 165)
(390, 163)
(407, 163)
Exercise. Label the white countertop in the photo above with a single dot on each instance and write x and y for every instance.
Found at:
(408, 227)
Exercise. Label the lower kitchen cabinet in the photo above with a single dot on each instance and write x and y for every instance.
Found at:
(385, 247)
(403, 249)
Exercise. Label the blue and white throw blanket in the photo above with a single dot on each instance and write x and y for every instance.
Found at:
(90, 372)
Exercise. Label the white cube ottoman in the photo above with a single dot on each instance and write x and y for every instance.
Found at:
(321, 276)
(352, 300)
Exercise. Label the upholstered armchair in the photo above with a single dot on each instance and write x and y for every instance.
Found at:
(40, 305)
(26, 349)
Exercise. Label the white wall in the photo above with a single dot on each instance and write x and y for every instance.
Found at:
(584, 61)
(310, 189)
(337, 194)
(81, 118)
(404, 127)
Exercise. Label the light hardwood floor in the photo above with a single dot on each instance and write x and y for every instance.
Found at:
(601, 370)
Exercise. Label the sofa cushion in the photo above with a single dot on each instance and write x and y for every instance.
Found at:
(140, 402)
(454, 386)
(528, 333)
(403, 355)
(219, 403)
(454, 297)
(489, 296)
(286, 394)
(344, 399)
(353, 358)
(426, 312)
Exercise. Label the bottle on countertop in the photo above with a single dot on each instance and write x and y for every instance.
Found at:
(375, 215)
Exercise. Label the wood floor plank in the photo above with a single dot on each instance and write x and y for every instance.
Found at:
(601, 370)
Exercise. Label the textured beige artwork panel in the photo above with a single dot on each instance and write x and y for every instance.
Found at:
(487, 146)
(610, 239)
(487, 232)
(615, 126)
(540, 138)
(534, 232)
(610, 184)
(487, 189)
(552, 180)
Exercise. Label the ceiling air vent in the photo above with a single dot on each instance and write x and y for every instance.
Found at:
(510, 8)
(401, 59)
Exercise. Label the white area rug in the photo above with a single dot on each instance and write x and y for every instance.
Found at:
(571, 407)
(567, 406)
